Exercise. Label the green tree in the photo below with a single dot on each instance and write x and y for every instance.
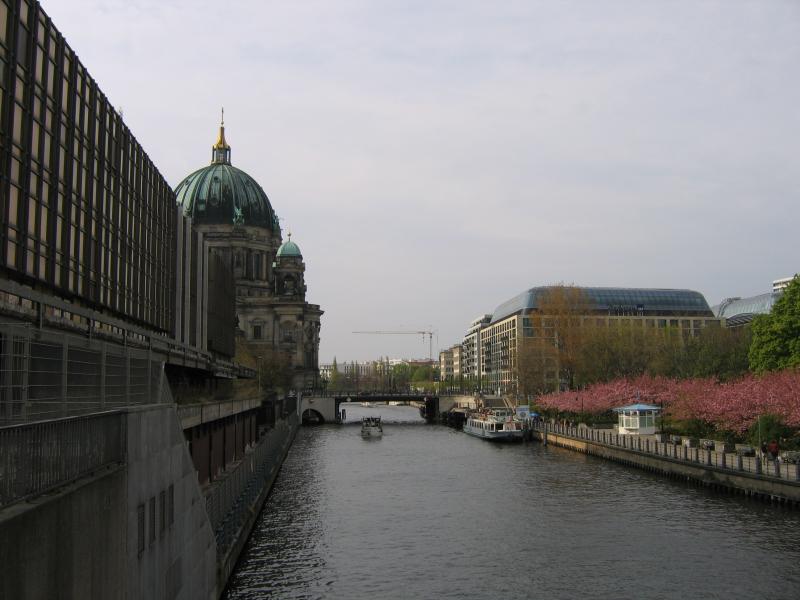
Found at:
(719, 352)
(776, 336)
(275, 370)
(335, 383)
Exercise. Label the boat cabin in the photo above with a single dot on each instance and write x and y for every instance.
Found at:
(637, 419)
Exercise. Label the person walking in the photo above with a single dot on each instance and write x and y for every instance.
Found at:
(774, 449)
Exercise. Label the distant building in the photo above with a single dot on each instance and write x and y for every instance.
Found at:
(450, 364)
(238, 223)
(741, 311)
(471, 366)
(780, 284)
(500, 340)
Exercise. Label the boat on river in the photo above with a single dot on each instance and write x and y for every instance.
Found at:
(499, 424)
(371, 427)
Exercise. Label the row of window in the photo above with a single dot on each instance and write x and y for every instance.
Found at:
(84, 208)
(154, 518)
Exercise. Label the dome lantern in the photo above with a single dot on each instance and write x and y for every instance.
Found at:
(221, 151)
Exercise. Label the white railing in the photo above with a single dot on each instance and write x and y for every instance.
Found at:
(729, 461)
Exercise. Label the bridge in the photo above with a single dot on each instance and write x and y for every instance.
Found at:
(326, 407)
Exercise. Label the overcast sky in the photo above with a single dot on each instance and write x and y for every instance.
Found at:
(434, 158)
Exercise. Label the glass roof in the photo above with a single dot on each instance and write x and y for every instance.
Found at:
(645, 300)
(741, 307)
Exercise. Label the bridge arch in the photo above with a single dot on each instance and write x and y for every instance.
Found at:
(311, 416)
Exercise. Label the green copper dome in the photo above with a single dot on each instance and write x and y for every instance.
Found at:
(221, 194)
(289, 249)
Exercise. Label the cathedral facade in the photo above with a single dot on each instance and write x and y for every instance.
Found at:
(239, 224)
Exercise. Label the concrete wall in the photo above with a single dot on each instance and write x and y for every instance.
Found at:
(83, 541)
(745, 483)
(180, 562)
(66, 545)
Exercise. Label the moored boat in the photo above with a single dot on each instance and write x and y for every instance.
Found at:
(499, 424)
(371, 427)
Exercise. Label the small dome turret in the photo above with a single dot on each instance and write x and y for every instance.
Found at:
(289, 249)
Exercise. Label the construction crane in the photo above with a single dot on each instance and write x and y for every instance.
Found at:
(422, 333)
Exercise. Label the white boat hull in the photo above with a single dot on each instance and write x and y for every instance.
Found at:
(496, 424)
(493, 435)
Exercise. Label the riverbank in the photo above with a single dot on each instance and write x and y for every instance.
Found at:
(721, 470)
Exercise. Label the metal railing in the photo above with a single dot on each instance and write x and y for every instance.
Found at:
(38, 457)
(192, 415)
(232, 496)
(728, 461)
(47, 375)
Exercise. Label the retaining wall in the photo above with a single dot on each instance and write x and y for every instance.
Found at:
(705, 467)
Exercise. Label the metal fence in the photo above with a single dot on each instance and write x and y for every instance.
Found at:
(38, 457)
(47, 376)
(729, 461)
(231, 498)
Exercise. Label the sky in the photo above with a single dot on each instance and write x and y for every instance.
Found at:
(434, 158)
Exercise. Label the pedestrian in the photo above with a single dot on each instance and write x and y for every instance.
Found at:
(763, 450)
(344, 415)
(774, 449)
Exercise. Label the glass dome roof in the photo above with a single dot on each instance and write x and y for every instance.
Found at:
(644, 300)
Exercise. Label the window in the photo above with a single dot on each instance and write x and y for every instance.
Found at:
(152, 519)
(171, 505)
(256, 332)
(140, 528)
(162, 509)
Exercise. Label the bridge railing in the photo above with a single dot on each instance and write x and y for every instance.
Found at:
(38, 457)
(366, 394)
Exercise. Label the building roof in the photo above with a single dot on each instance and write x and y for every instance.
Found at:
(638, 406)
(644, 300)
(221, 194)
(289, 249)
(738, 311)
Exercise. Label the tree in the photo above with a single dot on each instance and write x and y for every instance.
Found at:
(275, 370)
(336, 378)
(559, 312)
(536, 360)
(776, 336)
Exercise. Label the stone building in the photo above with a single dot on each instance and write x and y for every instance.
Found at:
(238, 223)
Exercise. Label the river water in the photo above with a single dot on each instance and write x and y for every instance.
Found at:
(428, 512)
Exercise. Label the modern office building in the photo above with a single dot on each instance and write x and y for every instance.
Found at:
(86, 213)
(471, 365)
(780, 284)
(739, 311)
(514, 320)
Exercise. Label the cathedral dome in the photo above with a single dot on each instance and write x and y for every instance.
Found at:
(221, 194)
(289, 249)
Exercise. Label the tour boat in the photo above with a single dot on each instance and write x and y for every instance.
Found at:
(371, 427)
(494, 424)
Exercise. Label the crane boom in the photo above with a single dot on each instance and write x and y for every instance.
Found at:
(422, 333)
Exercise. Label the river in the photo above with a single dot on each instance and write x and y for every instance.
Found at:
(429, 512)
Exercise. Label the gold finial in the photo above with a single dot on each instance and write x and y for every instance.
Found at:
(221, 143)
(221, 151)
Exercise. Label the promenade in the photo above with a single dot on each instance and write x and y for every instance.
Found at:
(724, 470)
